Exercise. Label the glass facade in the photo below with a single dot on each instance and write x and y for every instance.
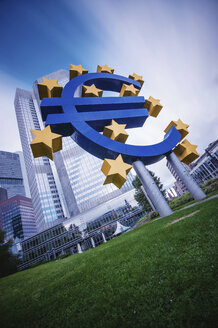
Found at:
(202, 170)
(75, 174)
(11, 177)
(206, 166)
(17, 218)
(46, 203)
(69, 238)
(86, 178)
(79, 172)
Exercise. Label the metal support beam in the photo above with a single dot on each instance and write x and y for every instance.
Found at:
(151, 189)
(186, 178)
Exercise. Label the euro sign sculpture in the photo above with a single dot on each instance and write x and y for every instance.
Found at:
(83, 118)
(79, 110)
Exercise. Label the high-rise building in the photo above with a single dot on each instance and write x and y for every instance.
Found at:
(17, 218)
(77, 173)
(206, 166)
(178, 186)
(24, 173)
(11, 177)
(46, 202)
(3, 194)
(80, 172)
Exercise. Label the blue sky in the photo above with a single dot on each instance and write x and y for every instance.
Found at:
(173, 44)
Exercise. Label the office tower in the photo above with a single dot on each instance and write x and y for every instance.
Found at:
(46, 202)
(17, 218)
(11, 177)
(80, 172)
(24, 173)
(3, 194)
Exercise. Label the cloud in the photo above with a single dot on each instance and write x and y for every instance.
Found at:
(172, 44)
(174, 48)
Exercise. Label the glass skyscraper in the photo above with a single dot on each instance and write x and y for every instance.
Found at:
(11, 177)
(46, 202)
(78, 174)
(17, 218)
(85, 176)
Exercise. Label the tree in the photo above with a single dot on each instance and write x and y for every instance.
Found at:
(8, 261)
(139, 194)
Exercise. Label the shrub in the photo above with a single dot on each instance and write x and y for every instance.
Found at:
(180, 201)
(153, 215)
(209, 186)
(8, 261)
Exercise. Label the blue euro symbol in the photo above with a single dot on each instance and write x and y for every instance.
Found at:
(83, 118)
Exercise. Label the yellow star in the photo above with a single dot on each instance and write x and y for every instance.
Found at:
(186, 152)
(49, 88)
(180, 126)
(115, 171)
(45, 143)
(116, 132)
(104, 69)
(91, 91)
(76, 70)
(137, 78)
(128, 90)
(153, 105)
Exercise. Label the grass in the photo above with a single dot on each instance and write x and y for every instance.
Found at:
(158, 275)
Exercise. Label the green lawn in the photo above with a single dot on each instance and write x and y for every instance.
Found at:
(158, 275)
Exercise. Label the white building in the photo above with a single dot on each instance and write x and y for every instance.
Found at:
(206, 166)
(46, 202)
(203, 169)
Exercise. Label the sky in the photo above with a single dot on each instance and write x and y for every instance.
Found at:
(173, 44)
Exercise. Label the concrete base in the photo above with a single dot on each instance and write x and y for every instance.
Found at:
(152, 190)
(185, 177)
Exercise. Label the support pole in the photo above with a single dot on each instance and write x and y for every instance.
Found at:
(186, 178)
(151, 189)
